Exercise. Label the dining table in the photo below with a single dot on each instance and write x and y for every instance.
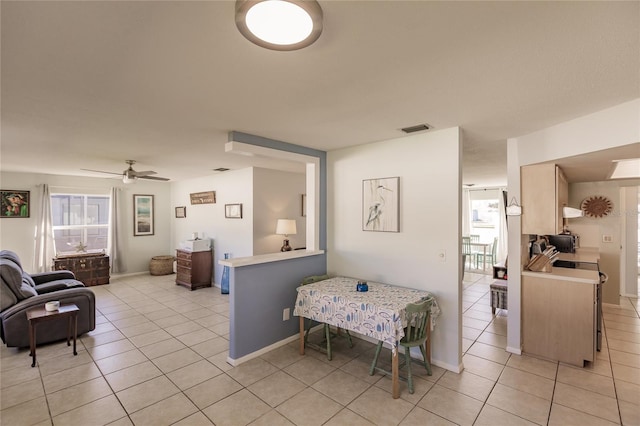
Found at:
(484, 247)
(378, 313)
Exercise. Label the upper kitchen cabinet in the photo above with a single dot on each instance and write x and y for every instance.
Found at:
(544, 191)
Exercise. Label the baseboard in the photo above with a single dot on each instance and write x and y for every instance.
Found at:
(237, 361)
(517, 351)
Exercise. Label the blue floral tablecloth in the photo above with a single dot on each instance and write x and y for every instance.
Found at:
(378, 313)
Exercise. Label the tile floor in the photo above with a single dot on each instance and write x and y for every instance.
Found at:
(157, 357)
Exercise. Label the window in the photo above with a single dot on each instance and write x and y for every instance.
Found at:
(485, 216)
(80, 222)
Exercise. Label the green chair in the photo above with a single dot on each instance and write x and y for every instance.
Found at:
(325, 345)
(491, 257)
(415, 334)
(466, 251)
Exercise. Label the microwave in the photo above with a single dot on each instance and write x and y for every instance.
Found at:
(564, 243)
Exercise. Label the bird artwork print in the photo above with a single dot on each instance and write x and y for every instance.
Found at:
(380, 204)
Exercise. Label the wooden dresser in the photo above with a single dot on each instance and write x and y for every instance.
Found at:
(90, 268)
(194, 268)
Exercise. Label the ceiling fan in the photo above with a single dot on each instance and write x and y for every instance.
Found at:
(130, 175)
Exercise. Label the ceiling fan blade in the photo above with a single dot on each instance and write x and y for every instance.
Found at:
(152, 177)
(102, 171)
(144, 173)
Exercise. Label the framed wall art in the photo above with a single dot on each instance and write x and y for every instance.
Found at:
(15, 203)
(181, 212)
(233, 211)
(381, 204)
(304, 204)
(142, 215)
(207, 197)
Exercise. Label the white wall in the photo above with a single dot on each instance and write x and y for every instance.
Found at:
(277, 195)
(18, 234)
(430, 180)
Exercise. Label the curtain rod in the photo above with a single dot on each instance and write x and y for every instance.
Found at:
(489, 188)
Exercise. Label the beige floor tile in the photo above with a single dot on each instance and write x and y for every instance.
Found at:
(489, 352)
(91, 340)
(624, 336)
(211, 347)
(468, 384)
(164, 347)
(212, 390)
(624, 346)
(272, 418)
(146, 393)
(565, 416)
(626, 373)
(588, 402)
(183, 328)
(193, 374)
(527, 382)
(161, 313)
(630, 413)
(493, 339)
(120, 361)
(239, 409)
(19, 375)
(63, 362)
(123, 421)
(492, 416)
(165, 412)
(600, 366)
(252, 371)
(626, 391)
(138, 329)
(100, 412)
(27, 413)
(497, 327)
(309, 407)
(171, 321)
(277, 388)
(283, 356)
(534, 365)
(631, 328)
(196, 419)
(377, 406)
(72, 397)
(197, 336)
(211, 319)
(483, 315)
(623, 319)
(175, 360)
(110, 349)
(624, 358)
(474, 323)
(420, 387)
(150, 338)
(220, 361)
(466, 344)
(586, 380)
(131, 376)
(20, 393)
(451, 405)
(133, 318)
(420, 417)
(341, 387)
(70, 377)
(119, 315)
(347, 417)
(482, 367)
(521, 404)
(471, 333)
(309, 370)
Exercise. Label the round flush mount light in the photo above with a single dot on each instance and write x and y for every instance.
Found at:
(279, 24)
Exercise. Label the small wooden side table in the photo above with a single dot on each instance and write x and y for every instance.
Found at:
(40, 314)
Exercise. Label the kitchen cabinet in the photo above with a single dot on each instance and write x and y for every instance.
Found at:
(194, 268)
(544, 192)
(559, 315)
(90, 268)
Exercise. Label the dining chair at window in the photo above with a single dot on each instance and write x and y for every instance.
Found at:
(415, 334)
(491, 257)
(325, 345)
(474, 238)
(469, 255)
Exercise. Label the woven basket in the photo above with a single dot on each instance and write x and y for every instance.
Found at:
(161, 265)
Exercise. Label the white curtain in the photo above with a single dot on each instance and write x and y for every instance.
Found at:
(466, 213)
(114, 240)
(45, 243)
(503, 238)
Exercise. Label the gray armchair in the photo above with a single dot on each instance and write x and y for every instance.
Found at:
(20, 291)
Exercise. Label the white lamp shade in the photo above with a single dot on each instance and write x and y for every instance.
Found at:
(570, 212)
(286, 227)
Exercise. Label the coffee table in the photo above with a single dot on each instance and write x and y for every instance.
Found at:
(40, 314)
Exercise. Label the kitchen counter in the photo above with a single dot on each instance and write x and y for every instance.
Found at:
(579, 276)
(585, 255)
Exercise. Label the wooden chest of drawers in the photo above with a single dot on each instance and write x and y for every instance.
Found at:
(194, 268)
(91, 269)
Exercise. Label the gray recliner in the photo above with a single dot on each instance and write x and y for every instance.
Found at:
(20, 291)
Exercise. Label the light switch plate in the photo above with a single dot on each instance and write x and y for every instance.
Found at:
(607, 239)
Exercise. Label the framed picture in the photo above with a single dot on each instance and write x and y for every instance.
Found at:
(207, 197)
(304, 204)
(181, 212)
(142, 215)
(233, 211)
(381, 204)
(15, 203)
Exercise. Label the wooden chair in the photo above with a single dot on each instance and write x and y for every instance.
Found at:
(415, 334)
(325, 345)
(466, 251)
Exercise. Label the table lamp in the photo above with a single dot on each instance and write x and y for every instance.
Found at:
(286, 227)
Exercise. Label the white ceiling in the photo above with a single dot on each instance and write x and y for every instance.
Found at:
(87, 85)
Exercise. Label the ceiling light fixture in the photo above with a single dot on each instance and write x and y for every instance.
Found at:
(279, 24)
(626, 169)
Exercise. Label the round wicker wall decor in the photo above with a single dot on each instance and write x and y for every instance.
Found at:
(596, 206)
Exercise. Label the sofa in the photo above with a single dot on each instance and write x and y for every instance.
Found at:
(20, 291)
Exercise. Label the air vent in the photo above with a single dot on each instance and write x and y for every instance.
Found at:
(413, 129)
(220, 169)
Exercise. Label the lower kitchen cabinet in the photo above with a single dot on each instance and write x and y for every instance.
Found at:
(194, 268)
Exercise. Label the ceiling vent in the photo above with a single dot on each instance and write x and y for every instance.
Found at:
(220, 169)
(418, 128)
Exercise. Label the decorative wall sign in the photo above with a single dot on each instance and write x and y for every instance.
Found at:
(381, 204)
(208, 197)
(142, 215)
(596, 206)
(181, 212)
(14, 203)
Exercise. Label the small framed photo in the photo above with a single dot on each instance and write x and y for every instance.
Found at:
(15, 203)
(181, 212)
(142, 215)
(233, 211)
